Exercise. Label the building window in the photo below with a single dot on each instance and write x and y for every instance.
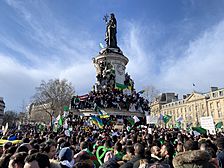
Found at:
(220, 93)
(212, 113)
(203, 114)
(220, 113)
(202, 106)
(211, 105)
(218, 105)
(196, 107)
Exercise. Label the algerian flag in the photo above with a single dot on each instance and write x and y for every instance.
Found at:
(131, 121)
(136, 119)
(59, 119)
(219, 124)
(66, 111)
(120, 86)
(166, 118)
(178, 125)
(199, 130)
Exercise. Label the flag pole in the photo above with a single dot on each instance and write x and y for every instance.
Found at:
(193, 87)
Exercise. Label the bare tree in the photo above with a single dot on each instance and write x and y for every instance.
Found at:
(151, 92)
(10, 117)
(53, 95)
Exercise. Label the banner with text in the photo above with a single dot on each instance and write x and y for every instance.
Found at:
(208, 123)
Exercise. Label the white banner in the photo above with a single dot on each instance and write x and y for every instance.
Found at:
(136, 119)
(151, 119)
(208, 123)
(119, 73)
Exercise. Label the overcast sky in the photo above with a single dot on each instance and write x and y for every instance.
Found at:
(170, 44)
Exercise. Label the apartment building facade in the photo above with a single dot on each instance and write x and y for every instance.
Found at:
(192, 107)
(2, 108)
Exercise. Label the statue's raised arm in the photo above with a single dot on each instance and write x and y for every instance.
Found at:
(111, 31)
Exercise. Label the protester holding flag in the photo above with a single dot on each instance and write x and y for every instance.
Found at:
(219, 125)
(112, 98)
(77, 136)
(97, 121)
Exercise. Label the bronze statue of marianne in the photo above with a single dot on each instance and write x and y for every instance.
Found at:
(111, 31)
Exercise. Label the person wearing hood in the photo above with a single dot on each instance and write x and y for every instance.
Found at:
(195, 158)
(66, 157)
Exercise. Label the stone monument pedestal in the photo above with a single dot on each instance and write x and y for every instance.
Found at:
(110, 65)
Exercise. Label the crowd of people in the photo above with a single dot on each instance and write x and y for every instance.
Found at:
(91, 147)
(111, 98)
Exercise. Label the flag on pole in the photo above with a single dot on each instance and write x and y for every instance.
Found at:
(97, 121)
(136, 119)
(131, 121)
(219, 125)
(199, 130)
(83, 97)
(178, 125)
(120, 86)
(59, 120)
(66, 111)
(166, 118)
(103, 114)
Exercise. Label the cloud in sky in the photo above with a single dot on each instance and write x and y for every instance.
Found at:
(62, 54)
(201, 63)
(168, 56)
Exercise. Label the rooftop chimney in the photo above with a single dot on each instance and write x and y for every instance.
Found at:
(214, 89)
